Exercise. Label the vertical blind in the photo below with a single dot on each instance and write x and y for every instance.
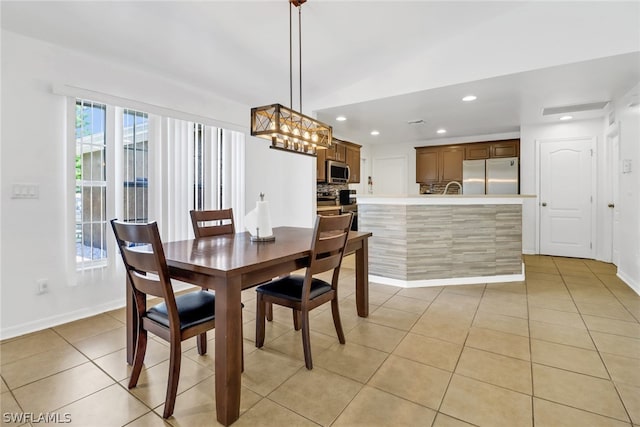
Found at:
(165, 167)
(202, 167)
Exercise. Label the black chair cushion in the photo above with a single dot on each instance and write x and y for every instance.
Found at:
(290, 287)
(193, 308)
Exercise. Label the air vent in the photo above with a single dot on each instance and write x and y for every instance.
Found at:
(574, 108)
(416, 122)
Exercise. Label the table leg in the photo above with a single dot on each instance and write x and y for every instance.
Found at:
(228, 350)
(362, 279)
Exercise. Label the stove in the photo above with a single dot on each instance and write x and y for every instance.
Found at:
(327, 199)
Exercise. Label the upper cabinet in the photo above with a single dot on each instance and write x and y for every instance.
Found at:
(451, 163)
(506, 148)
(340, 151)
(336, 152)
(439, 164)
(427, 164)
(443, 163)
(492, 149)
(321, 169)
(477, 151)
(353, 160)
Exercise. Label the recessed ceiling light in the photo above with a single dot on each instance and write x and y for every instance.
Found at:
(441, 131)
(375, 133)
(565, 118)
(341, 118)
(469, 98)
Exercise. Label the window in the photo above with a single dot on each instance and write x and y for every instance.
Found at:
(140, 167)
(198, 167)
(135, 138)
(91, 184)
(207, 167)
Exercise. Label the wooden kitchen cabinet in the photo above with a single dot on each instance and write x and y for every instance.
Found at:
(353, 160)
(321, 168)
(506, 148)
(443, 163)
(439, 164)
(427, 164)
(451, 164)
(477, 151)
(336, 152)
(492, 149)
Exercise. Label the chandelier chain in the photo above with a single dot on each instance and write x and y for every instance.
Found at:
(291, 54)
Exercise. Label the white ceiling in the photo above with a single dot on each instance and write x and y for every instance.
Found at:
(379, 63)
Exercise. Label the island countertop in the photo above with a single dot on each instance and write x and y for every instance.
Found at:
(435, 240)
(445, 199)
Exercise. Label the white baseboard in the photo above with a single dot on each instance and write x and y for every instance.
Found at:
(59, 319)
(626, 279)
(447, 282)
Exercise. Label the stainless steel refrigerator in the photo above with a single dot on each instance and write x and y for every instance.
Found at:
(491, 176)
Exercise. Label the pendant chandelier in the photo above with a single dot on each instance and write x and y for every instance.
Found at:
(286, 128)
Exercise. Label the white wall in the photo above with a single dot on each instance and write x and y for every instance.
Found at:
(33, 236)
(529, 176)
(286, 179)
(629, 191)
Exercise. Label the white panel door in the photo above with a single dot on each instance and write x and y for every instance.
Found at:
(566, 198)
(390, 175)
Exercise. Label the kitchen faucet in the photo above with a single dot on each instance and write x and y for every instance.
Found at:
(452, 182)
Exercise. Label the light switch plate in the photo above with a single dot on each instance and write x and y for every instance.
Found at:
(25, 191)
(626, 166)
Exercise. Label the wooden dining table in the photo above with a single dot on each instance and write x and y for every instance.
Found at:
(230, 263)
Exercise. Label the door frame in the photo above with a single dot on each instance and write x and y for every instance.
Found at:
(538, 162)
(611, 165)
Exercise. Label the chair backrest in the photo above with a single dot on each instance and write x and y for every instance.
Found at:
(143, 256)
(212, 222)
(329, 240)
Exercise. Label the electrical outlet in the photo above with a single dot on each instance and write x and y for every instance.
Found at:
(43, 286)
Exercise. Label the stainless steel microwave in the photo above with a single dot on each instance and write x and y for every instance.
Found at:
(337, 172)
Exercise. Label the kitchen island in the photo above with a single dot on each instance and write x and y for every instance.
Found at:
(434, 240)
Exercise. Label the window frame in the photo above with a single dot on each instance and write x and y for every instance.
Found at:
(157, 190)
(79, 146)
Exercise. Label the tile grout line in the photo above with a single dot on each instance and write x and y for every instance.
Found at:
(388, 355)
(606, 368)
(377, 369)
(116, 382)
(533, 391)
(459, 357)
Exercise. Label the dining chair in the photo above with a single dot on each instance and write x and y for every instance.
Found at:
(304, 293)
(202, 227)
(177, 318)
(212, 222)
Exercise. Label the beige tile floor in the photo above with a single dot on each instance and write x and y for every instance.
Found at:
(561, 349)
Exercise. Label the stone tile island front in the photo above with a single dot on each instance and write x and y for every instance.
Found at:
(443, 240)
